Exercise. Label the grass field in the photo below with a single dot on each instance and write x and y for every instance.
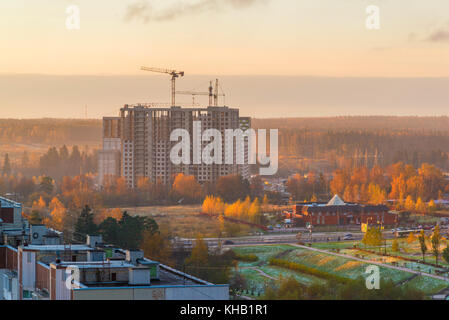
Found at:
(252, 271)
(428, 285)
(340, 266)
(407, 250)
(183, 221)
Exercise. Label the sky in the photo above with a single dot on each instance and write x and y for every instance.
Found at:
(319, 45)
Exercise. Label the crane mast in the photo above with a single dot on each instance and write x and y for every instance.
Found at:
(216, 93)
(213, 94)
(174, 75)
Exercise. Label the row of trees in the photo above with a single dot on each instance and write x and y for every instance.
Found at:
(409, 186)
(247, 210)
(61, 162)
(76, 191)
(50, 131)
(127, 232)
(360, 185)
(184, 189)
(373, 237)
(408, 139)
(212, 265)
(436, 240)
(363, 146)
(308, 187)
(290, 289)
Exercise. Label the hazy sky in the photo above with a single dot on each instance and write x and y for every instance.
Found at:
(324, 38)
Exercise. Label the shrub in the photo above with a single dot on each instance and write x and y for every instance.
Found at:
(304, 269)
(246, 257)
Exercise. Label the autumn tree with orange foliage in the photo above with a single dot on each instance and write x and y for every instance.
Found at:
(78, 191)
(246, 210)
(399, 182)
(58, 215)
(115, 213)
(306, 188)
(213, 205)
(186, 188)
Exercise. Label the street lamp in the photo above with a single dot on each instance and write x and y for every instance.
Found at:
(310, 226)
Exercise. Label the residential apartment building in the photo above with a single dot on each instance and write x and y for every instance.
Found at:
(41, 267)
(15, 229)
(95, 271)
(136, 144)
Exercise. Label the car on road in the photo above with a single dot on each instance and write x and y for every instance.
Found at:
(348, 236)
(228, 242)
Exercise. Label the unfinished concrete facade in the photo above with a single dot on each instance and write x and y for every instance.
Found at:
(137, 143)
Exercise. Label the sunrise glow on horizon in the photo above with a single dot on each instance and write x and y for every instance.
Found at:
(246, 37)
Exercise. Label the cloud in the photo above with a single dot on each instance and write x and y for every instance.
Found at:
(441, 35)
(144, 12)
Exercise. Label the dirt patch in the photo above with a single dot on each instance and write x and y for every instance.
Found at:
(348, 265)
(325, 260)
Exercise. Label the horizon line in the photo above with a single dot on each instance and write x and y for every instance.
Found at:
(221, 75)
(258, 118)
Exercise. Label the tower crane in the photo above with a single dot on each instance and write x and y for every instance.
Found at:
(174, 75)
(213, 95)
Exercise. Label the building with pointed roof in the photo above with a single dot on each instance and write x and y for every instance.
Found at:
(338, 212)
(336, 201)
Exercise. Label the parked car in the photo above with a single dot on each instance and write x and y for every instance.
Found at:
(228, 242)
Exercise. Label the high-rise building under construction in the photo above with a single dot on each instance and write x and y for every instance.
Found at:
(136, 144)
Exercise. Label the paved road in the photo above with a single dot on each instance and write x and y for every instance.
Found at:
(283, 238)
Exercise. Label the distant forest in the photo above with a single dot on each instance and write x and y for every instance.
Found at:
(367, 141)
(332, 142)
(50, 131)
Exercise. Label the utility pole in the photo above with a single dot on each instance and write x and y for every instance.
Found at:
(310, 230)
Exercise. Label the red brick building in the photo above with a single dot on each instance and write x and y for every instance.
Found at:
(337, 212)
